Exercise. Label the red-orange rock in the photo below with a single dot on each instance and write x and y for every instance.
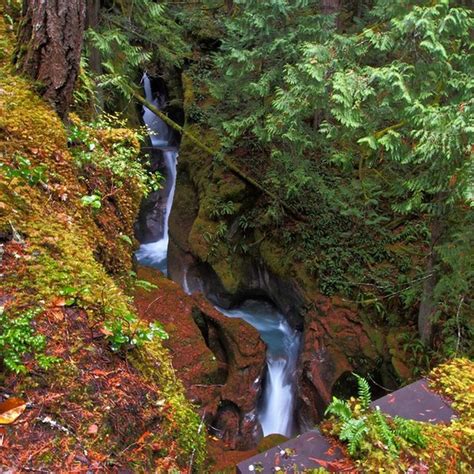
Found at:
(334, 335)
(220, 360)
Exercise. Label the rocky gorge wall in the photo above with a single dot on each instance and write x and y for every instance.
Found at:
(206, 254)
(221, 361)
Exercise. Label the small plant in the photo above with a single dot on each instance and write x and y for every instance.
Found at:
(126, 332)
(19, 339)
(93, 200)
(365, 429)
(24, 171)
(216, 238)
(222, 209)
(109, 144)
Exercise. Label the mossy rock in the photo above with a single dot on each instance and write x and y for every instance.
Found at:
(398, 355)
(231, 273)
(376, 336)
(231, 188)
(275, 258)
(199, 244)
(270, 441)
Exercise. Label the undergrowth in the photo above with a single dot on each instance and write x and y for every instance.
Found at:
(378, 442)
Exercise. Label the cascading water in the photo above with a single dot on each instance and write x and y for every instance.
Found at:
(278, 400)
(277, 403)
(155, 254)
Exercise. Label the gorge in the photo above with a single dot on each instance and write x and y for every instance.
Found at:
(277, 404)
(227, 224)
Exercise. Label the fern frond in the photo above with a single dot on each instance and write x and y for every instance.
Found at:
(409, 431)
(339, 408)
(353, 432)
(384, 432)
(363, 389)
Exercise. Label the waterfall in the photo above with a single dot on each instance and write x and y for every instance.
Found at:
(160, 133)
(155, 253)
(278, 400)
(277, 403)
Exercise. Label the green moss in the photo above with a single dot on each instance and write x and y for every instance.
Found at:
(231, 273)
(270, 441)
(398, 355)
(444, 447)
(153, 361)
(200, 237)
(230, 187)
(73, 253)
(275, 258)
(376, 337)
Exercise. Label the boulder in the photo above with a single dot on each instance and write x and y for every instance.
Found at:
(330, 337)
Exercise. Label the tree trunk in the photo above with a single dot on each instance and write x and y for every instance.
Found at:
(329, 7)
(428, 305)
(229, 6)
(50, 43)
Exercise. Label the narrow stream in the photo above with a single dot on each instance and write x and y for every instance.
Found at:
(277, 405)
(155, 254)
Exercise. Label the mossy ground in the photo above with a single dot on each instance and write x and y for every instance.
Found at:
(105, 410)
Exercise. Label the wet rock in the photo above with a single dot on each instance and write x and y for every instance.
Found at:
(150, 223)
(334, 338)
(336, 341)
(220, 360)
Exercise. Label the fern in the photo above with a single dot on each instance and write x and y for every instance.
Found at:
(363, 389)
(409, 431)
(339, 408)
(353, 432)
(384, 432)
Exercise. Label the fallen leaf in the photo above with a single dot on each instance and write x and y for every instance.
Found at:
(11, 409)
(100, 373)
(142, 438)
(93, 429)
(58, 301)
(106, 332)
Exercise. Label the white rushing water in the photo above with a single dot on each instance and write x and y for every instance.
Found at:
(278, 400)
(160, 134)
(155, 253)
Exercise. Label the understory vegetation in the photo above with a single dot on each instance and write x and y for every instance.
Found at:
(376, 441)
(68, 200)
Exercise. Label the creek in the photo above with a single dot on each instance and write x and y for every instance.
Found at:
(154, 254)
(277, 404)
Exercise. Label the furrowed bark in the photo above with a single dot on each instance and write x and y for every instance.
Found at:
(50, 42)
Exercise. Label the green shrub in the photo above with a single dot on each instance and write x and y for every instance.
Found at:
(365, 429)
(126, 332)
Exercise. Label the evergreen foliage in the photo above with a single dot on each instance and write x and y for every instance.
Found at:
(133, 37)
(362, 127)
